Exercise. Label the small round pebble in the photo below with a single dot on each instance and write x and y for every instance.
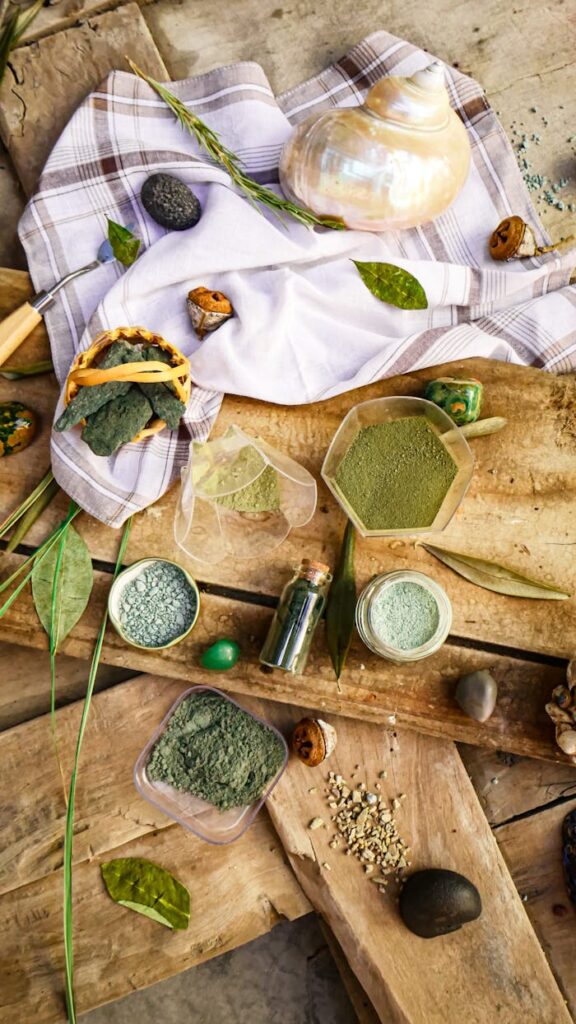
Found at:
(170, 202)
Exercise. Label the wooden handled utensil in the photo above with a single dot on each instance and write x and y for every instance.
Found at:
(19, 324)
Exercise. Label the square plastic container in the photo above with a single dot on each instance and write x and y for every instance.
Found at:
(383, 410)
(200, 817)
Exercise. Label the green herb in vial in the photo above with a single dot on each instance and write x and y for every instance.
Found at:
(299, 611)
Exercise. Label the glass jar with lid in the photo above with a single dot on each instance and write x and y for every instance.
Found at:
(403, 616)
(299, 611)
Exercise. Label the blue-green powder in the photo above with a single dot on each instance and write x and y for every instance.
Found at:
(404, 615)
(158, 605)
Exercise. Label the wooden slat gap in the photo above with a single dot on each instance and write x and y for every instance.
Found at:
(533, 811)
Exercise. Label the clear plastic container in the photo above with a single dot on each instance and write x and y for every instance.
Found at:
(382, 410)
(375, 643)
(209, 530)
(200, 817)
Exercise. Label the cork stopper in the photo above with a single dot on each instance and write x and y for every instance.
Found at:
(316, 572)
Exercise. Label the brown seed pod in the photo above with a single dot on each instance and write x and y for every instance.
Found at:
(208, 310)
(515, 239)
(313, 741)
(512, 238)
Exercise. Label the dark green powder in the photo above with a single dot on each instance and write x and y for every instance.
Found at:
(216, 751)
(395, 475)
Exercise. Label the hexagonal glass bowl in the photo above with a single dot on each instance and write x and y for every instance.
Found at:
(383, 410)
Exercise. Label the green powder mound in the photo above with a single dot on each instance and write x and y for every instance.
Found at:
(396, 475)
(216, 751)
(404, 616)
(262, 495)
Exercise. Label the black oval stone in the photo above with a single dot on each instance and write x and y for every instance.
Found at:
(437, 901)
(170, 202)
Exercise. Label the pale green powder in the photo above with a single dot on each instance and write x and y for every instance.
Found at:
(404, 615)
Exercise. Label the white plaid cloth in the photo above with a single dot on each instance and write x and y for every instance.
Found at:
(305, 327)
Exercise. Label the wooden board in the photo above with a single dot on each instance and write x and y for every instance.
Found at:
(510, 786)
(520, 508)
(25, 675)
(493, 967)
(532, 849)
(370, 689)
(49, 78)
(238, 892)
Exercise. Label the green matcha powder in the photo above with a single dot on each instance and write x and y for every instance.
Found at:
(395, 475)
(262, 495)
(215, 750)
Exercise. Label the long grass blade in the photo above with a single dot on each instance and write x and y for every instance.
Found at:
(31, 515)
(29, 562)
(14, 29)
(29, 370)
(55, 610)
(69, 831)
(25, 505)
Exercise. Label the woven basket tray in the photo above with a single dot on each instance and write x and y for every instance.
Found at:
(84, 371)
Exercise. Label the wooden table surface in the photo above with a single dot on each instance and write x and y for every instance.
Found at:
(524, 800)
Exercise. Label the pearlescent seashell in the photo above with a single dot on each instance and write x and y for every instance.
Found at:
(395, 162)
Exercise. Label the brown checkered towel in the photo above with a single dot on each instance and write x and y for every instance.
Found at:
(305, 326)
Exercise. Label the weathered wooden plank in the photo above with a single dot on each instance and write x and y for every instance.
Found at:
(11, 206)
(414, 696)
(520, 507)
(237, 892)
(508, 786)
(49, 78)
(25, 675)
(495, 964)
(532, 850)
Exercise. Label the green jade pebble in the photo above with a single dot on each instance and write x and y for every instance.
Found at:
(221, 656)
(461, 399)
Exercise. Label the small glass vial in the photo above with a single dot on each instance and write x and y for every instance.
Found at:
(375, 628)
(299, 610)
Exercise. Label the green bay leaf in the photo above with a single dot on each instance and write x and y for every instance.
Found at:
(493, 576)
(125, 245)
(75, 580)
(148, 889)
(393, 285)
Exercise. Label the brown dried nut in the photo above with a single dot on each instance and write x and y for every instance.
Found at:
(313, 740)
(208, 310)
(513, 238)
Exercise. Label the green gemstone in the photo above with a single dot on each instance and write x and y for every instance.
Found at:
(461, 399)
(220, 656)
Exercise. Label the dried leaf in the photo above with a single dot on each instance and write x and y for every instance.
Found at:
(341, 605)
(492, 576)
(125, 245)
(13, 29)
(76, 577)
(393, 285)
(148, 889)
